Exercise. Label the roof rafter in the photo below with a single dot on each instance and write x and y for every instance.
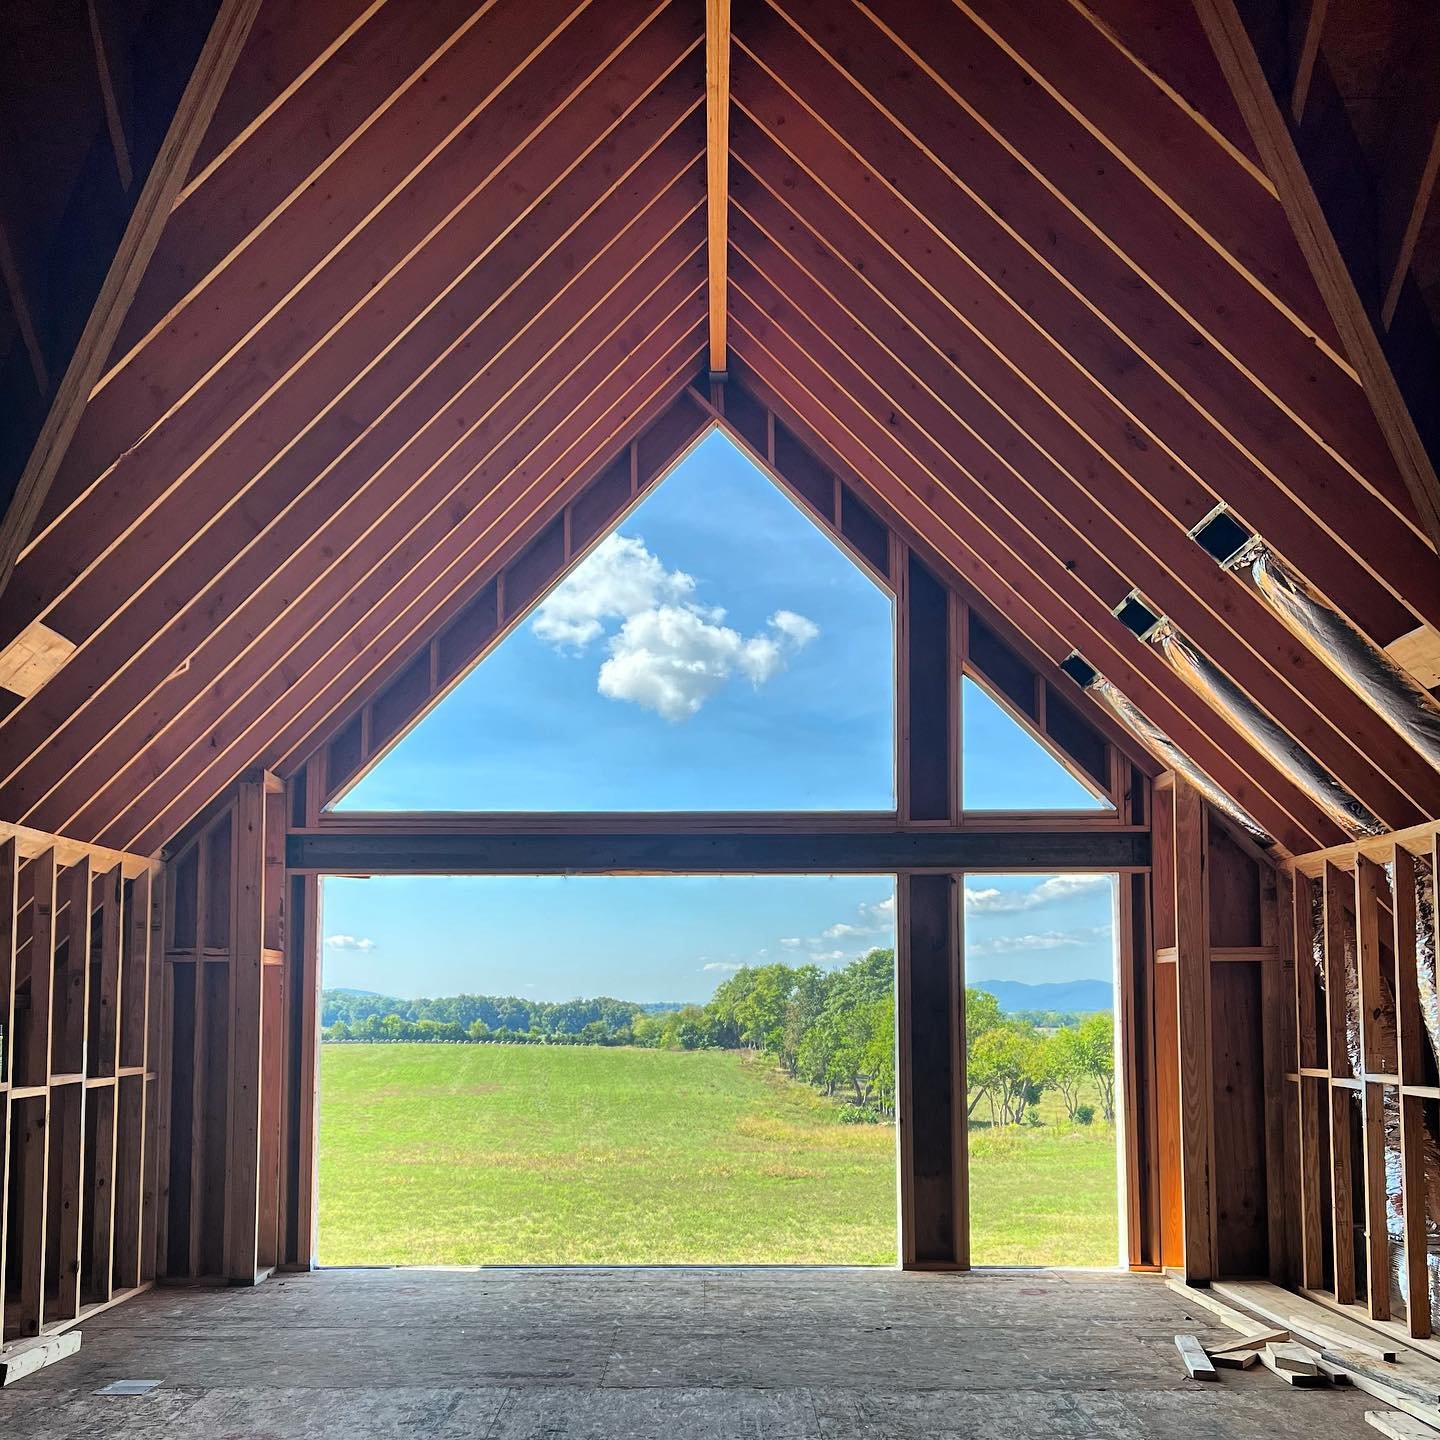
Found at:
(717, 169)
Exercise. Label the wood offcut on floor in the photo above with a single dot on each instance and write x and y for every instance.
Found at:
(785, 1354)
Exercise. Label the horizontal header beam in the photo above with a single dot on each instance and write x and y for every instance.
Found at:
(458, 851)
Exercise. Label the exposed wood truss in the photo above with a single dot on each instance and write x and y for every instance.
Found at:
(1022, 282)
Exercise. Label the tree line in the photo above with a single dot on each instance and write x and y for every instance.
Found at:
(832, 1029)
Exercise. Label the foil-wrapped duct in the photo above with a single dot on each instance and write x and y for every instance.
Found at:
(1214, 686)
(1164, 749)
(1386, 687)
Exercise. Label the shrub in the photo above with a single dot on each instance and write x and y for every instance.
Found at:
(1085, 1114)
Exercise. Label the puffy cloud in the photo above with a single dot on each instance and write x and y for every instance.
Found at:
(1041, 940)
(1050, 891)
(349, 942)
(791, 942)
(720, 965)
(619, 578)
(670, 655)
(673, 658)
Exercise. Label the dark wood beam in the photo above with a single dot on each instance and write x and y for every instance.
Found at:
(930, 1065)
(436, 845)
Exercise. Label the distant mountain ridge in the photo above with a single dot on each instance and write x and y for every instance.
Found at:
(1078, 996)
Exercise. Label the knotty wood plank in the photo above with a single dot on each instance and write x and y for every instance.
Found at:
(9, 942)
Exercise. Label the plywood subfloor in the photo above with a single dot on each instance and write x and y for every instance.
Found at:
(789, 1354)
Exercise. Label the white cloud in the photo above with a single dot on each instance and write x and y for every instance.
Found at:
(673, 658)
(873, 919)
(619, 578)
(349, 942)
(791, 942)
(992, 901)
(670, 655)
(720, 965)
(1041, 940)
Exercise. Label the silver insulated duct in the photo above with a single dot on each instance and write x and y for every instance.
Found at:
(1386, 687)
(1287, 755)
(1164, 749)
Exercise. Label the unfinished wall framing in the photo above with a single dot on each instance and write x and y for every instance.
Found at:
(80, 1078)
(1361, 1086)
(1218, 980)
(224, 1120)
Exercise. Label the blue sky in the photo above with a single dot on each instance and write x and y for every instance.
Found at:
(718, 653)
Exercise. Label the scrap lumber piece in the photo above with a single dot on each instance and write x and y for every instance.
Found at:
(1415, 1376)
(1398, 1425)
(1248, 1342)
(1291, 1377)
(1235, 1359)
(1287, 1355)
(25, 1357)
(1197, 1362)
(1374, 1377)
(1336, 1374)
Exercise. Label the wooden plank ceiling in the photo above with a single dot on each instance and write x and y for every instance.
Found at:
(1015, 271)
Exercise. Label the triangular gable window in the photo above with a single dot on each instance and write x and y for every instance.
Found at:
(717, 651)
(1005, 767)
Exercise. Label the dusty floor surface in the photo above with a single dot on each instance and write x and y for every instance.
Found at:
(768, 1354)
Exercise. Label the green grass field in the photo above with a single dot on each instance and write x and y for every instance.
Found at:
(490, 1154)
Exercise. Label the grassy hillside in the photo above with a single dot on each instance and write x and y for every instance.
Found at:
(449, 1154)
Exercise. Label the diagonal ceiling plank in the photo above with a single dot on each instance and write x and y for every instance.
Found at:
(1071, 527)
(355, 479)
(286, 721)
(298, 355)
(166, 174)
(1021, 369)
(1105, 554)
(441, 474)
(474, 491)
(1081, 301)
(879, 446)
(717, 169)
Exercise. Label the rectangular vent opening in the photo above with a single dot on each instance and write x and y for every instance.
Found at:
(1221, 536)
(1079, 669)
(1136, 616)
